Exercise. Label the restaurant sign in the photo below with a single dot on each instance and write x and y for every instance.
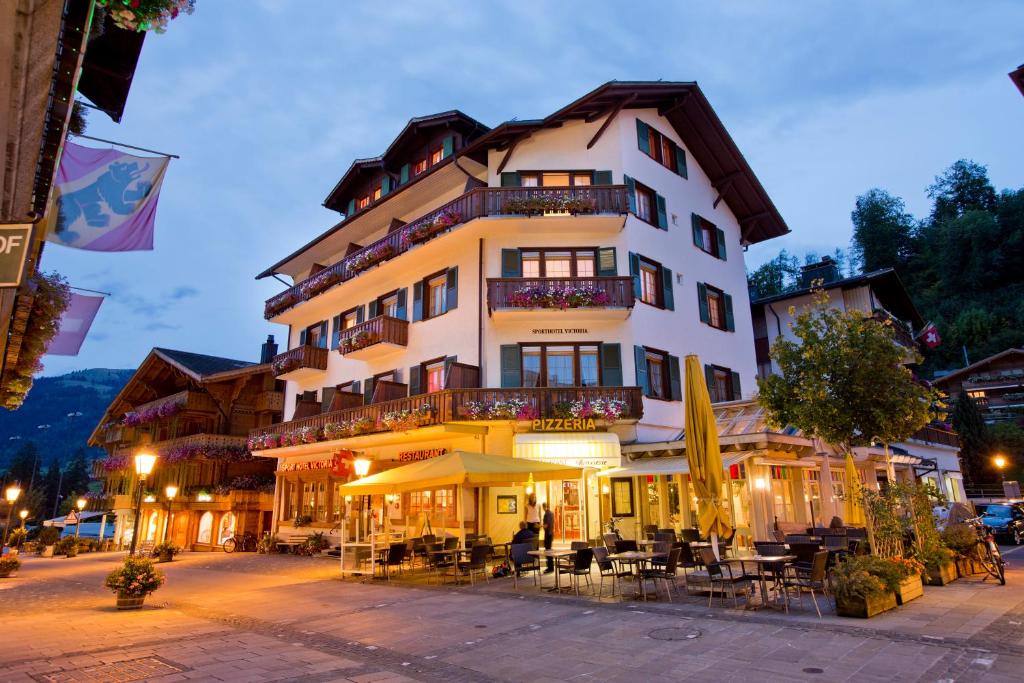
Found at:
(421, 454)
(558, 424)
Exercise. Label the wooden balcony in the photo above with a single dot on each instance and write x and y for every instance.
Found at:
(193, 441)
(935, 435)
(375, 338)
(269, 401)
(591, 298)
(900, 329)
(467, 405)
(561, 203)
(300, 363)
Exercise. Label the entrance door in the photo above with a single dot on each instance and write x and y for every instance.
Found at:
(568, 514)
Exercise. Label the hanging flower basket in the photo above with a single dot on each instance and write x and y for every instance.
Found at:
(145, 15)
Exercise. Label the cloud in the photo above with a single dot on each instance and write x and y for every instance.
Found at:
(155, 326)
(183, 293)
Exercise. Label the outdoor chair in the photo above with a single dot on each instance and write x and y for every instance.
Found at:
(835, 542)
(666, 574)
(722, 574)
(670, 532)
(624, 545)
(661, 547)
(395, 557)
(575, 545)
(686, 559)
(523, 562)
(811, 580)
(607, 569)
(609, 540)
(437, 564)
(477, 563)
(805, 553)
(665, 536)
(451, 542)
(580, 568)
(798, 538)
(689, 535)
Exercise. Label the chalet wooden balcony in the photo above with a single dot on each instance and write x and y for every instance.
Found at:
(454, 405)
(551, 297)
(902, 333)
(269, 401)
(552, 203)
(938, 436)
(375, 338)
(300, 363)
(197, 443)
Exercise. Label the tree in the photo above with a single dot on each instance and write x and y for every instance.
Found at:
(882, 231)
(77, 475)
(25, 465)
(963, 187)
(52, 484)
(844, 381)
(974, 438)
(775, 276)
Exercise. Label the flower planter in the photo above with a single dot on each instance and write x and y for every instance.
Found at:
(4, 573)
(125, 601)
(945, 573)
(71, 553)
(867, 607)
(910, 588)
(165, 557)
(966, 566)
(47, 551)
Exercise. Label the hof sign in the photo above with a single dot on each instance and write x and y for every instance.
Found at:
(14, 242)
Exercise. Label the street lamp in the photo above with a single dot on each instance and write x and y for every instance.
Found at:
(1000, 462)
(171, 491)
(143, 466)
(361, 466)
(23, 514)
(12, 494)
(80, 504)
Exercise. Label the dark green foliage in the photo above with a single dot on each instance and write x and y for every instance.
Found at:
(883, 231)
(974, 438)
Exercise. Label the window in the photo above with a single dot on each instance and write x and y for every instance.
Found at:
(561, 365)
(707, 237)
(649, 283)
(435, 291)
(376, 194)
(363, 202)
(308, 499)
(657, 369)
(433, 375)
(558, 262)
(661, 148)
(652, 282)
(337, 502)
(388, 305)
(658, 373)
(435, 295)
(715, 307)
(556, 178)
(720, 384)
(349, 387)
(227, 527)
(645, 204)
(316, 336)
(437, 155)
(321, 501)
(419, 167)
(205, 528)
(350, 319)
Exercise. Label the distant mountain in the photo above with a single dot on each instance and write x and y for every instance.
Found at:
(71, 405)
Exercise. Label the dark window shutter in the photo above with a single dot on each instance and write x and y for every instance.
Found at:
(662, 212)
(674, 379)
(367, 391)
(309, 396)
(385, 185)
(640, 360)
(634, 272)
(702, 302)
(336, 332)
(602, 177)
(709, 379)
(400, 311)
(737, 393)
(359, 315)
(417, 302)
(452, 295)
(510, 179)
(303, 334)
(511, 366)
(326, 397)
(643, 137)
(511, 263)
(680, 161)
(372, 309)
(667, 299)
(415, 376)
(351, 207)
(355, 387)
(323, 334)
(611, 365)
(448, 368)
(631, 191)
(606, 266)
(403, 175)
(720, 236)
(698, 233)
(730, 324)
(449, 146)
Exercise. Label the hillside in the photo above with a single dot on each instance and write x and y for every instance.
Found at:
(70, 404)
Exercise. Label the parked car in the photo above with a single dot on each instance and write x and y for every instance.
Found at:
(1006, 521)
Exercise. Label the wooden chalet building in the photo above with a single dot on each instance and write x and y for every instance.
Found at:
(995, 383)
(194, 412)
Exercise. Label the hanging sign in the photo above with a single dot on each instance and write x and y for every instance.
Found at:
(14, 243)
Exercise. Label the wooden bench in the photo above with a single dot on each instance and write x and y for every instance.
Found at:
(290, 541)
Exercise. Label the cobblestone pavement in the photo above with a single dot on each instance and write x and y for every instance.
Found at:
(245, 617)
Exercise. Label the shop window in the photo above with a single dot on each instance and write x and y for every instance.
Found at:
(151, 526)
(205, 528)
(308, 499)
(227, 528)
(782, 493)
(337, 502)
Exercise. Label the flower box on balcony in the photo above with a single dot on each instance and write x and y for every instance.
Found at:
(558, 297)
(357, 341)
(554, 203)
(319, 282)
(370, 257)
(424, 230)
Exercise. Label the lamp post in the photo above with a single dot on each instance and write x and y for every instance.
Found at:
(23, 514)
(80, 504)
(362, 468)
(1000, 462)
(171, 491)
(143, 466)
(12, 494)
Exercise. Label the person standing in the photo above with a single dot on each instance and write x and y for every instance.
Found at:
(549, 535)
(533, 514)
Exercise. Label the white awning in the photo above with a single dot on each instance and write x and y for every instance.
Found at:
(667, 465)
(593, 450)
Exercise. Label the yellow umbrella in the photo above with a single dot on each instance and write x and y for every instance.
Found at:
(854, 512)
(703, 454)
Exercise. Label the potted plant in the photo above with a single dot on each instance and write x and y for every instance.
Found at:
(16, 537)
(267, 543)
(67, 546)
(910, 586)
(860, 591)
(8, 565)
(47, 541)
(133, 581)
(302, 520)
(939, 566)
(165, 552)
(962, 540)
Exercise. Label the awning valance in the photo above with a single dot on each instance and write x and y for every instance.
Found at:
(661, 466)
(594, 450)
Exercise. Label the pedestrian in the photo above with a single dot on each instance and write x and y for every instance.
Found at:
(549, 535)
(533, 514)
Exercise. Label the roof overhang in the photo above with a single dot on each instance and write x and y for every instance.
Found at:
(1017, 76)
(974, 366)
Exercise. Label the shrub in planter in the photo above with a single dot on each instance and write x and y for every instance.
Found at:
(8, 565)
(47, 540)
(302, 520)
(133, 581)
(67, 546)
(313, 544)
(939, 566)
(860, 591)
(267, 544)
(165, 552)
(16, 537)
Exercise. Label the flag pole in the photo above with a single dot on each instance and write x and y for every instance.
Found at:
(121, 144)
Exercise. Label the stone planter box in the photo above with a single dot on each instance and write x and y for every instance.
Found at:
(866, 608)
(910, 589)
(946, 573)
(47, 551)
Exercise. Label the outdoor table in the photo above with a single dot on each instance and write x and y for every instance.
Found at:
(454, 552)
(554, 555)
(761, 561)
(636, 558)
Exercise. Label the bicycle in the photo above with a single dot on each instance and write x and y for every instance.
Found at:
(245, 543)
(986, 551)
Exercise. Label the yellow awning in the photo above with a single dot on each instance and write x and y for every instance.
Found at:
(459, 468)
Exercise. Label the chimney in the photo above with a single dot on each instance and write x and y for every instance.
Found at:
(268, 350)
(826, 270)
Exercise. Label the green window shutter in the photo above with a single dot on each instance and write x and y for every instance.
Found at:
(634, 272)
(417, 302)
(415, 373)
(631, 191)
(666, 290)
(720, 236)
(323, 334)
(674, 379)
(698, 233)
(452, 295)
(449, 146)
(511, 263)
(611, 365)
(643, 138)
(680, 161)
(403, 175)
(640, 360)
(302, 337)
(400, 309)
(511, 366)
(385, 185)
(367, 391)
(730, 324)
(372, 309)
(326, 398)
(359, 315)
(351, 207)
(606, 266)
(702, 302)
(336, 332)
(602, 177)
(737, 394)
(662, 212)
(709, 379)
(510, 179)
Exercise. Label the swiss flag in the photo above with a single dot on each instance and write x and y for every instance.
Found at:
(342, 464)
(930, 336)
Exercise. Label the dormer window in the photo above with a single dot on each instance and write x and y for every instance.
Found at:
(363, 202)
(376, 194)
(419, 167)
(437, 155)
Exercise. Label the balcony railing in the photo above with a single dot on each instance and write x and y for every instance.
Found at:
(901, 331)
(195, 443)
(939, 436)
(376, 331)
(300, 358)
(477, 203)
(559, 293)
(457, 405)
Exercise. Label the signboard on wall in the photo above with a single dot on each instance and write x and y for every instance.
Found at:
(558, 424)
(14, 243)
(421, 454)
(559, 330)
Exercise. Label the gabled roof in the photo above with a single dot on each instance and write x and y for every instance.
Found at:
(199, 365)
(974, 366)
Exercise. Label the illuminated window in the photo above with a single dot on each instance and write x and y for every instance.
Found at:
(657, 369)
(350, 319)
(419, 167)
(650, 282)
(205, 528)
(434, 376)
(716, 314)
(437, 155)
(436, 289)
(363, 202)
(227, 528)
(645, 204)
(376, 194)
(558, 263)
(561, 365)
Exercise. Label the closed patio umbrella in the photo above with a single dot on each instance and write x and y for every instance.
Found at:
(703, 454)
(854, 512)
